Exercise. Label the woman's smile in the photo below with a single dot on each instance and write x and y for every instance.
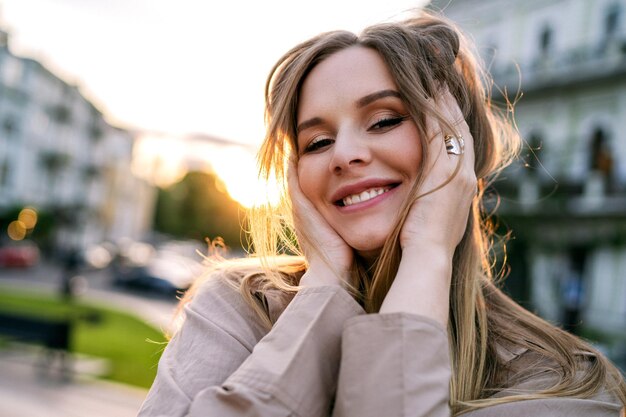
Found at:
(359, 151)
(363, 194)
(363, 197)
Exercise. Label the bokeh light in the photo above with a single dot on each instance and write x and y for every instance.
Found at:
(98, 256)
(28, 216)
(16, 230)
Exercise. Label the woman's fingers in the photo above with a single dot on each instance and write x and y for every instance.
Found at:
(452, 112)
(440, 215)
(325, 250)
(448, 159)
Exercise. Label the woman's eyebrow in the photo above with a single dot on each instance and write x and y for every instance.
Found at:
(370, 98)
(309, 123)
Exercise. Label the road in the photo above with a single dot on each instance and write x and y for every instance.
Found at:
(26, 392)
(93, 286)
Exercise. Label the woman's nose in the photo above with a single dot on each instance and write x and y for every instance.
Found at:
(349, 151)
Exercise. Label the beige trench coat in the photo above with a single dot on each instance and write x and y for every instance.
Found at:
(323, 357)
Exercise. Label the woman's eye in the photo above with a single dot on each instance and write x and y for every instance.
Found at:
(317, 144)
(389, 121)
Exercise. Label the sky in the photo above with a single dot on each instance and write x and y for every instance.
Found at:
(175, 67)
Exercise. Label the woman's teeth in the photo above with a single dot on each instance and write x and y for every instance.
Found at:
(364, 196)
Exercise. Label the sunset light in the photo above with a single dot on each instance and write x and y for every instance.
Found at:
(237, 168)
(159, 159)
(164, 160)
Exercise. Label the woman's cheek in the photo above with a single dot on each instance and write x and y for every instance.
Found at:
(307, 180)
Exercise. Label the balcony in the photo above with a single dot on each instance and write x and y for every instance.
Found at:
(596, 196)
(589, 64)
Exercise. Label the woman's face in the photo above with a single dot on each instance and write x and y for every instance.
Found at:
(359, 150)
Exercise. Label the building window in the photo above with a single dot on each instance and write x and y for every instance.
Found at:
(9, 126)
(572, 295)
(4, 173)
(546, 39)
(601, 156)
(611, 21)
(96, 133)
(61, 113)
(53, 162)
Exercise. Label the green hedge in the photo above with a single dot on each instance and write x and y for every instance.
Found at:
(132, 347)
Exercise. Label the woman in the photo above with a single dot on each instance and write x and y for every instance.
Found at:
(384, 142)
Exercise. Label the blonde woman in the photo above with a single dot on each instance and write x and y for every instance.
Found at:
(384, 143)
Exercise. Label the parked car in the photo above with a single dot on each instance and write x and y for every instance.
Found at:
(20, 254)
(162, 270)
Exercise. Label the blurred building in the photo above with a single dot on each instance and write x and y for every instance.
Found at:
(59, 155)
(565, 201)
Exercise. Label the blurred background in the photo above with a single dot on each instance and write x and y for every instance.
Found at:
(128, 131)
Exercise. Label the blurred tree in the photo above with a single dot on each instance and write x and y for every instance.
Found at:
(198, 207)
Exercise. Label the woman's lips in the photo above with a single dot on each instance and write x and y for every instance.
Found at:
(371, 196)
(364, 196)
(362, 191)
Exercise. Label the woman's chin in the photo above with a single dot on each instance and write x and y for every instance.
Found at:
(367, 246)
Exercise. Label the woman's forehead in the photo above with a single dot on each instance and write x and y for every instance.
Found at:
(349, 74)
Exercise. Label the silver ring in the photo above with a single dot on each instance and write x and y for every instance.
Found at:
(455, 145)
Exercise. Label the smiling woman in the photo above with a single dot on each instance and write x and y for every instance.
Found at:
(383, 143)
(354, 124)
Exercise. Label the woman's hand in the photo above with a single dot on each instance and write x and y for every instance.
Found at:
(328, 255)
(439, 217)
(436, 223)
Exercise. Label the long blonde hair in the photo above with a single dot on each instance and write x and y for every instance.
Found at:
(422, 54)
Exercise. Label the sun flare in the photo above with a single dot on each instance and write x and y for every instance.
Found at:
(164, 160)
